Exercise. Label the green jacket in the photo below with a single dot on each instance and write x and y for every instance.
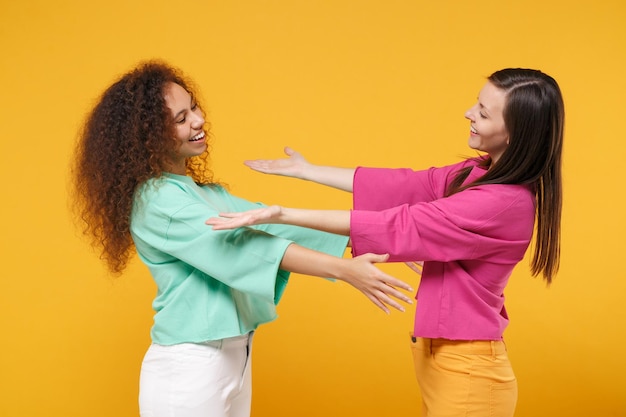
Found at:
(211, 284)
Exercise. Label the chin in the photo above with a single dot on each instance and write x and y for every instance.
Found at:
(473, 145)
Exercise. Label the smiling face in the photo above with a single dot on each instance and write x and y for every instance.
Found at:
(188, 126)
(487, 131)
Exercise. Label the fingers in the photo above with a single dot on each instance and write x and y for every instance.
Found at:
(232, 220)
(389, 293)
(415, 266)
(229, 215)
(392, 282)
(390, 290)
(379, 304)
(223, 217)
(391, 302)
(229, 221)
(375, 258)
(382, 300)
(388, 279)
(261, 165)
(223, 224)
(383, 293)
(383, 289)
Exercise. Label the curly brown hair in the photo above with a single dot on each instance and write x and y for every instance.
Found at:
(125, 141)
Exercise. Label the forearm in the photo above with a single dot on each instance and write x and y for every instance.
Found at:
(340, 178)
(332, 221)
(360, 272)
(305, 261)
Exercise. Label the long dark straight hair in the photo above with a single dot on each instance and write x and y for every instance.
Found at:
(534, 117)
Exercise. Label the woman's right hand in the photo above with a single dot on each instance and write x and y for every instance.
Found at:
(294, 166)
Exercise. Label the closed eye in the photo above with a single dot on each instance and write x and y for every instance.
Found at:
(193, 107)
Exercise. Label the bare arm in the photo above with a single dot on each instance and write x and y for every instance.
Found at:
(360, 272)
(332, 221)
(297, 167)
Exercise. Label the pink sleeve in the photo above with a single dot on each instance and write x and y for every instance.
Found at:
(493, 221)
(383, 188)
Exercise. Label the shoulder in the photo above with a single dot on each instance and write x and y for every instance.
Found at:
(167, 186)
(169, 194)
(444, 175)
(433, 173)
(455, 168)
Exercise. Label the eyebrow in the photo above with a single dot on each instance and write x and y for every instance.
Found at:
(180, 113)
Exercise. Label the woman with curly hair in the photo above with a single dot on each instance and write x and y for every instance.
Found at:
(141, 182)
(470, 223)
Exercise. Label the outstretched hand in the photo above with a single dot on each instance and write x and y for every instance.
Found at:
(245, 218)
(380, 288)
(294, 166)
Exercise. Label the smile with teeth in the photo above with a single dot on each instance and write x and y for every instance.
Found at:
(197, 137)
(473, 130)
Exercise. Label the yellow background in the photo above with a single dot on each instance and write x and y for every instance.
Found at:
(346, 82)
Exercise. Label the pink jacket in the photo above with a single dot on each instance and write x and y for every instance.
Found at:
(469, 242)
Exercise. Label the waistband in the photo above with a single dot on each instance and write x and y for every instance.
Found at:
(471, 347)
(226, 343)
(229, 342)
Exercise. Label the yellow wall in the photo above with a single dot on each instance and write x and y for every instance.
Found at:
(346, 82)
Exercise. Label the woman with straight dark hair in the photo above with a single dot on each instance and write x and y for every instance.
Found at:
(142, 183)
(470, 223)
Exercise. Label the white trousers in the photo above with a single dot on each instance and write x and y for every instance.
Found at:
(211, 379)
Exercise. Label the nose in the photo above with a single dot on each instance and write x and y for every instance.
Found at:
(469, 114)
(198, 121)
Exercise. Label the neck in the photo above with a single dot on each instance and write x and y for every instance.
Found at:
(176, 167)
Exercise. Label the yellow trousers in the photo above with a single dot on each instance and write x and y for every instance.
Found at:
(464, 378)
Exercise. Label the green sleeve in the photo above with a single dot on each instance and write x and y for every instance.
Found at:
(328, 243)
(169, 229)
